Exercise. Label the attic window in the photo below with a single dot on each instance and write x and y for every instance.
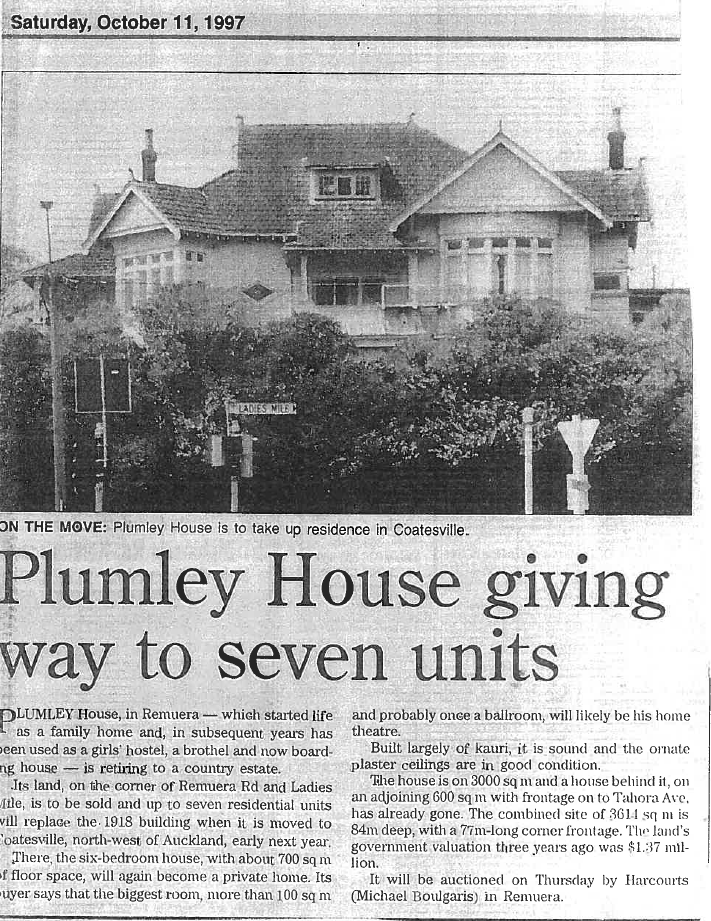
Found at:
(344, 184)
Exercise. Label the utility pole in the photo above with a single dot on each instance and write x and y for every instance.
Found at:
(60, 486)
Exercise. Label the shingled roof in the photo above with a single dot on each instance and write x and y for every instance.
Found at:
(621, 194)
(269, 193)
(97, 265)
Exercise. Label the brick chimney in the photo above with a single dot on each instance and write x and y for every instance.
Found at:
(616, 140)
(238, 145)
(149, 157)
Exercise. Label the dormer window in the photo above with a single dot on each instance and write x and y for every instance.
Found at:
(344, 185)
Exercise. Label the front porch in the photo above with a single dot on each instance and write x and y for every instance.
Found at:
(448, 271)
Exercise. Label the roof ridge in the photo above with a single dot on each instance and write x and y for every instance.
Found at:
(168, 185)
(249, 125)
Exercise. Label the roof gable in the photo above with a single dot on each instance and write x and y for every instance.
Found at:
(139, 207)
(500, 181)
(134, 215)
(501, 140)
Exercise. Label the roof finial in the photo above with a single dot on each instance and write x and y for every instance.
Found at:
(131, 175)
(411, 118)
(501, 125)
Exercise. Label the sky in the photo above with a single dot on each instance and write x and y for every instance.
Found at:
(62, 132)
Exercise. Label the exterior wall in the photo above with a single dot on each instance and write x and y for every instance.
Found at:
(610, 253)
(243, 263)
(508, 224)
(574, 263)
(225, 265)
(610, 256)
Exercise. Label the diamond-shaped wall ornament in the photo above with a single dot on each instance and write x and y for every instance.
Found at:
(257, 291)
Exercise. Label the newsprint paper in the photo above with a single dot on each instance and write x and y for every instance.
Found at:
(351, 555)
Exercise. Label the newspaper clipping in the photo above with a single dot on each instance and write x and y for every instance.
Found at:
(351, 556)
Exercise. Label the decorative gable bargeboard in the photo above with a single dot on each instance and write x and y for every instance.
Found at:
(382, 227)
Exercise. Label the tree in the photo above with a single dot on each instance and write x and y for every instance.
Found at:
(467, 411)
(362, 425)
(26, 480)
(13, 260)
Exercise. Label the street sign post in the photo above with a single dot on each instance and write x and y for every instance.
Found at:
(239, 443)
(102, 385)
(578, 435)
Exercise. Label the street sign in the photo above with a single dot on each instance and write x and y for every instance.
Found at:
(235, 408)
(116, 385)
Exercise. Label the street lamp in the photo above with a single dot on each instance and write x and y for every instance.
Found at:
(60, 490)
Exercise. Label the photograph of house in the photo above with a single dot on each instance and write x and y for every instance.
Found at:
(410, 283)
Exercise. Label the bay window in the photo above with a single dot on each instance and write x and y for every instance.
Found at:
(486, 266)
(141, 277)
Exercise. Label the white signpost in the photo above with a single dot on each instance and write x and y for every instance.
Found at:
(233, 410)
(527, 416)
(578, 435)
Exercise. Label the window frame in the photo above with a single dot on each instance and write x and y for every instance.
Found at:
(142, 275)
(503, 262)
(355, 177)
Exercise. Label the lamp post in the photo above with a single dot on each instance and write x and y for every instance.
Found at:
(60, 488)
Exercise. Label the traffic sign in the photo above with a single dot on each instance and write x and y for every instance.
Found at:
(578, 435)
